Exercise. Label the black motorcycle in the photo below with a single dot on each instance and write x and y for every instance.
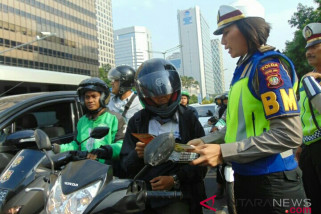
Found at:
(87, 186)
(13, 143)
(29, 170)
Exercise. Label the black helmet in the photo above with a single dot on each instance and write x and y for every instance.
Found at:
(224, 96)
(158, 77)
(93, 84)
(125, 75)
(217, 97)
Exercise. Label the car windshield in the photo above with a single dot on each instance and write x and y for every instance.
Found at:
(8, 101)
(205, 110)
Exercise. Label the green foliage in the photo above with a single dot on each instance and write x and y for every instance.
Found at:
(187, 82)
(295, 49)
(206, 101)
(103, 73)
(193, 99)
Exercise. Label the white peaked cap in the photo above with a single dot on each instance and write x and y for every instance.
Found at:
(241, 9)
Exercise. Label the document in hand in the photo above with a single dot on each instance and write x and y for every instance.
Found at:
(144, 137)
(182, 147)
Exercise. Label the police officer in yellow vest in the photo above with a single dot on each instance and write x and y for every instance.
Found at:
(263, 123)
(310, 98)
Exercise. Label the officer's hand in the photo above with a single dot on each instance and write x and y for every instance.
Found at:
(140, 147)
(195, 142)
(56, 148)
(103, 152)
(211, 155)
(162, 183)
(298, 153)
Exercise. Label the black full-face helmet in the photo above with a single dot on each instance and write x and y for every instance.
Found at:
(158, 77)
(125, 75)
(224, 96)
(217, 98)
(93, 84)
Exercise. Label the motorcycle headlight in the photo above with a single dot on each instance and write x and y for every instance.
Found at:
(13, 210)
(75, 202)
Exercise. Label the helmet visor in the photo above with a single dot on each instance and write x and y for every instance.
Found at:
(158, 83)
(114, 74)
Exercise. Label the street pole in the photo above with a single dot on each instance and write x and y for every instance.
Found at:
(47, 34)
(166, 51)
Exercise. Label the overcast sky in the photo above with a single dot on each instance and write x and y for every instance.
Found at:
(160, 17)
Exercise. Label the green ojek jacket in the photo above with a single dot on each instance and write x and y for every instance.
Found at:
(86, 125)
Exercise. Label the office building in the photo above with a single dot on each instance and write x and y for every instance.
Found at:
(175, 59)
(105, 33)
(74, 47)
(133, 46)
(194, 37)
(218, 74)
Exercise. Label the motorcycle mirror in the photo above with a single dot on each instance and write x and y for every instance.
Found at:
(99, 132)
(159, 149)
(42, 139)
(19, 139)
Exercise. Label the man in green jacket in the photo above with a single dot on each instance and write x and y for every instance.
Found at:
(93, 93)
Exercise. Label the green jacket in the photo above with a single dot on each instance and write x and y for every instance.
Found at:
(114, 138)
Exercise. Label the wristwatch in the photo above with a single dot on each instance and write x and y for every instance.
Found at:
(176, 182)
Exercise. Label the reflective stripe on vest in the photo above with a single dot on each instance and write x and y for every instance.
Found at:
(311, 133)
(246, 118)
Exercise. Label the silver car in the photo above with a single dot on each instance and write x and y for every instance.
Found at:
(205, 112)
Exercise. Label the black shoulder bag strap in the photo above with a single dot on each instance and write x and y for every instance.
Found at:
(128, 105)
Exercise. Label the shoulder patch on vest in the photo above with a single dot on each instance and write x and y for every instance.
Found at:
(271, 71)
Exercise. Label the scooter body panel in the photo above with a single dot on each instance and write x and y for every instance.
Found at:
(79, 174)
(19, 173)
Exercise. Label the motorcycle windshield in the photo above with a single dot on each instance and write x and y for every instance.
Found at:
(21, 166)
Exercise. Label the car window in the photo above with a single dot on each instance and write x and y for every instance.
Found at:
(54, 119)
(205, 111)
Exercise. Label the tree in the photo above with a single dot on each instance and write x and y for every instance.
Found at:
(103, 73)
(188, 82)
(295, 49)
(206, 101)
(193, 99)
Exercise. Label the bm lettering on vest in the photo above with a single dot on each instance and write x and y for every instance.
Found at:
(271, 105)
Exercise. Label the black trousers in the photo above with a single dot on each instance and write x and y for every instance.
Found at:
(271, 193)
(310, 164)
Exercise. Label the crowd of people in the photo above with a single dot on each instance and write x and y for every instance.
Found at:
(257, 127)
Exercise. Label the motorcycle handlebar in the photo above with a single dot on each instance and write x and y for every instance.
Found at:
(78, 155)
(164, 194)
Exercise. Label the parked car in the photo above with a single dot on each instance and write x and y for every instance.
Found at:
(205, 112)
(56, 113)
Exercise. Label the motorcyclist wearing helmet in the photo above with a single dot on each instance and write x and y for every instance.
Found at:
(123, 100)
(224, 99)
(93, 93)
(159, 89)
(185, 101)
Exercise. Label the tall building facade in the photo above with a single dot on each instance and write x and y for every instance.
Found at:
(133, 46)
(218, 74)
(194, 36)
(175, 59)
(74, 47)
(105, 33)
